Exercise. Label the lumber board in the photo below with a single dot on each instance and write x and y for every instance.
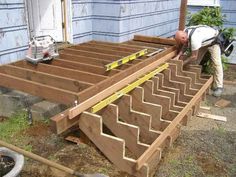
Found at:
(140, 119)
(43, 78)
(150, 46)
(34, 88)
(163, 101)
(173, 95)
(60, 71)
(102, 51)
(92, 54)
(158, 40)
(127, 132)
(211, 116)
(84, 67)
(112, 147)
(175, 87)
(148, 153)
(102, 45)
(154, 110)
(118, 85)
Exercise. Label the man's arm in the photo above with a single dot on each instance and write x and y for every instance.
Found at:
(193, 57)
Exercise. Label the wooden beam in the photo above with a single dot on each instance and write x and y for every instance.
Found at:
(43, 78)
(63, 123)
(158, 40)
(212, 116)
(63, 72)
(108, 46)
(182, 16)
(92, 54)
(84, 67)
(104, 50)
(108, 91)
(45, 91)
(148, 153)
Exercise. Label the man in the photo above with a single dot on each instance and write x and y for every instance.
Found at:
(194, 38)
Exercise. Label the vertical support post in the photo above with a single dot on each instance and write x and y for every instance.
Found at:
(182, 17)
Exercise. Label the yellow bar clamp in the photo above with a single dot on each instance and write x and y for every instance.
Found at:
(124, 60)
(127, 89)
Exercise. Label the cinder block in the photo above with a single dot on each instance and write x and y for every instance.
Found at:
(45, 109)
(13, 101)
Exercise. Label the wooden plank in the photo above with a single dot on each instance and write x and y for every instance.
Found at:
(62, 123)
(82, 59)
(108, 46)
(158, 40)
(120, 45)
(45, 91)
(154, 110)
(149, 96)
(101, 51)
(148, 153)
(92, 54)
(211, 116)
(171, 94)
(118, 85)
(43, 78)
(222, 103)
(84, 67)
(140, 119)
(153, 46)
(127, 132)
(112, 147)
(63, 72)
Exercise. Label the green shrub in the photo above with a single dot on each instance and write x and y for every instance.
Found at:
(211, 16)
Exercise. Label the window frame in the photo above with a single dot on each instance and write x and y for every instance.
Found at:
(204, 3)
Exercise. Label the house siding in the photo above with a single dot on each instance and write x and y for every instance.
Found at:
(13, 31)
(105, 20)
(118, 21)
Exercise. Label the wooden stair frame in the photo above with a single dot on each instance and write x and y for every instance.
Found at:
(147, 120)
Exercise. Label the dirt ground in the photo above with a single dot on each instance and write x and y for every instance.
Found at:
(205, 147)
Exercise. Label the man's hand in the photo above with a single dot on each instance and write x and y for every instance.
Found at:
(192, 58)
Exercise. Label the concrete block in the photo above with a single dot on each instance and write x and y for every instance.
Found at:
(45, 109)
(14, 101)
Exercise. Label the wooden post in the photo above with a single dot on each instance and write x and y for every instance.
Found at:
(182, 17)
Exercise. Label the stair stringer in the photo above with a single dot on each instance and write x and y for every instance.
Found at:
(181, 72)
(140, 119)
(138, 104)
(112, 147)
(127, 132)
(165, 85)
(189, 80)
(172, 93)
(182, 85)
(165, 102)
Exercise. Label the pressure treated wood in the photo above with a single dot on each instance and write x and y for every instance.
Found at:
(143, 122)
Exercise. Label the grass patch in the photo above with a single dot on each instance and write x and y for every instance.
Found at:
(12, 127)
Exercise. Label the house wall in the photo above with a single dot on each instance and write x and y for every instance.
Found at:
(106, 20)
(118, 21)
(13, 30)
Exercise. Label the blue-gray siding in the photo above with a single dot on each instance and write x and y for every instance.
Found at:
(117, 21)
(13, 30)
(106, 20)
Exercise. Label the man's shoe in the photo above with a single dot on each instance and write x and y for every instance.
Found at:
(217, 92)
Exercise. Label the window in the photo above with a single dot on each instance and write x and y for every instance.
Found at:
(204, 3)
